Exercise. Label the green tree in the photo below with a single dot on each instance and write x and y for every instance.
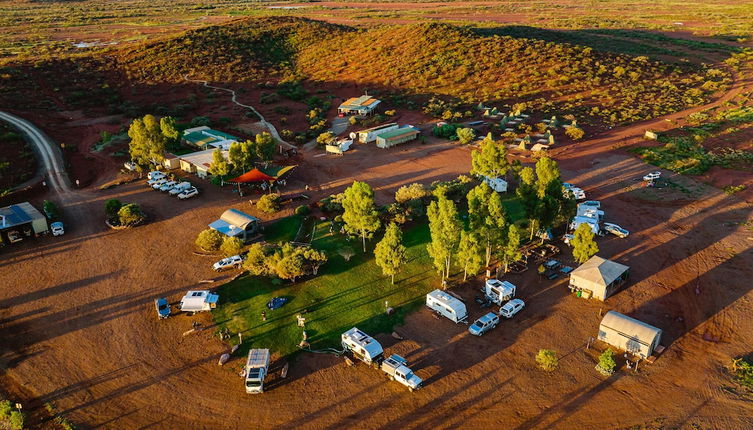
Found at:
(264, 146)
(390, 252)
(231, 246)
(607, 364)
(575, 133)
(168, 129)
(491, 160)
(444, 226)
(360, 215)
(465, 135)
(511, 251)
(269, 203)
(470, 254)
(219, 166)
(112, 206)
(256, 260)
(584, 245)
(547, 177)
(547, 360)
(147, 141)
(209, 240)
(130, 215)
(325, 138)
(526, 192)
(235, 157)
(487, 217)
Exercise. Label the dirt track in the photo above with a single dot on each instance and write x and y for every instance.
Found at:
(81, 331)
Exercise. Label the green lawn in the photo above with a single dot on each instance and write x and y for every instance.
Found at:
(343, 295)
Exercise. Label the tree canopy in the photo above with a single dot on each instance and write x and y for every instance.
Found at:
(360, 215)
(491, 160)
(147, 141)
(390, 251)
(584, 245)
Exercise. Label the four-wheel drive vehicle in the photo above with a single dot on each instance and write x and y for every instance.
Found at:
(167, 186)
(616, 230)
(396, 367)
(484, 324)
(188, 193)
(155, 174)
(595, 203)
(163, 308)
(363, 346)
(236, 261)
(652, 176)
(159, 183)
(57, 228)
(257, 366)
(179, 188)
(198, 301)
(499, 291)
(511, 308)
(14, 236)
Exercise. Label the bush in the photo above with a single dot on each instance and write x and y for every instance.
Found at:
(606, 362)
(112, 207)
(10, 417)
(231, 246)
(447, 131)
(547, 360)
(209, 240)
(51, 210)
(269, 203)
(465, 135)
(575, 133)
(302, 210)
(130, 215)
(332, 203)
(743, 371)
(200, 121)
(410, 192)
(353, 120)
(325, 138)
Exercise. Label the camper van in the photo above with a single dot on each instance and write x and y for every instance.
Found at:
(198, 301)
(363, 346)
(447, 306)
(499, 291)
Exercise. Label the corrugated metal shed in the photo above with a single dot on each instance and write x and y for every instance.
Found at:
(629, 334)
(599, 276)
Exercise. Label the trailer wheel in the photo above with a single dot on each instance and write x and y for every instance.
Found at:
(410, 389)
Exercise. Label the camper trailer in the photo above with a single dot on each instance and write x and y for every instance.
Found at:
(257, 366)
(499, 291)
(363, 346)
(198, 301)
(447, 306)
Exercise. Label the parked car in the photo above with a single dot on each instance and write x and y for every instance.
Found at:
(163, 308)
(484, 324)
(57, 228)
(159, 183)
(167, 186)
(616, 230)
(652, 176)
(14, 236)
(511, 308)
(179, 188)
(155, 174)
(130, 166)
(187, 194)
(228, 263)
(593, 203)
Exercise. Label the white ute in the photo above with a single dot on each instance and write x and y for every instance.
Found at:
(257, 366)
(363, 346)
(179, 188)
(396, 367)
(236, 261)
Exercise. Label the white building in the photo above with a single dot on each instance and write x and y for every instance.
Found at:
(598, 278)
(629, 334)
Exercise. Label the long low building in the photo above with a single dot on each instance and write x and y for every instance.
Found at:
(363, 105)
(629, 334)
(397, 136)
(199, 162)
(21, 219)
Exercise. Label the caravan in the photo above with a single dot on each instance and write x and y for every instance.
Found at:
(198, 301)
(363, 346)
(447, 306)
(499, 291)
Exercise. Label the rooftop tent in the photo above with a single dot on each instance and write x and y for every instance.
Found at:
(629, 334)
(598, 276)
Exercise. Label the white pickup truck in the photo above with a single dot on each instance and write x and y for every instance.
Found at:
(395, 367)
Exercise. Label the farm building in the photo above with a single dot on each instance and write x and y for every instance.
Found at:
(206, 138)
(598, 278)
(171, 161)
(363, 105)
(397, 136)
(629, 334)
(23, 219)
(198, 162)
(370, 134)
(235, 223)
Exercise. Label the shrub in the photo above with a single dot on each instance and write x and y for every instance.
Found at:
(390, 112)
(50, 209)
(10, 417)
(353, 120)
(112, 207)
(209, 240)
(325, 138)
(447, 131)
(465, 135)
(16, 420)
(302, 210)
(130, 215)
(743, 370)
(231, 246)
(269, 203)
(332, 203)
(575, 133)
(410, 192)
(547, 360)
(201, 121)
(606, 362)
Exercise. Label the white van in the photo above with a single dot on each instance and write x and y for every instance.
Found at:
(447, 306)
(499, 291)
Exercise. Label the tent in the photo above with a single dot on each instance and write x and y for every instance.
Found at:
(598, 277)
(268, 174)
(629, 334)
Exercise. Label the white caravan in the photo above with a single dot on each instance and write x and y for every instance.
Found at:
(257, 366)
(363, 346)
(499, 291)
(198, 301)
(447, 306)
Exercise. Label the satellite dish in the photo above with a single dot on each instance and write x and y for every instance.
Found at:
(352, 135)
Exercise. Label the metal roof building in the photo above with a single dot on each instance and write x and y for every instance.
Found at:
(207, 138)
(235, 223)
(20, 216)
(199, 162)
(363, 105)
(396, 137)
(598, 277)
(629, 334)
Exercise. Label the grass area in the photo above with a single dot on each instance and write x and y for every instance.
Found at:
(744, 372)
(514, 207)
(343, 295)
(283, 230)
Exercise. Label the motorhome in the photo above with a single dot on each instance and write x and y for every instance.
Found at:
(447, 306)
(363, 346)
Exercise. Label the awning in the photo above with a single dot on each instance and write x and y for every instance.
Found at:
(271, 173)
